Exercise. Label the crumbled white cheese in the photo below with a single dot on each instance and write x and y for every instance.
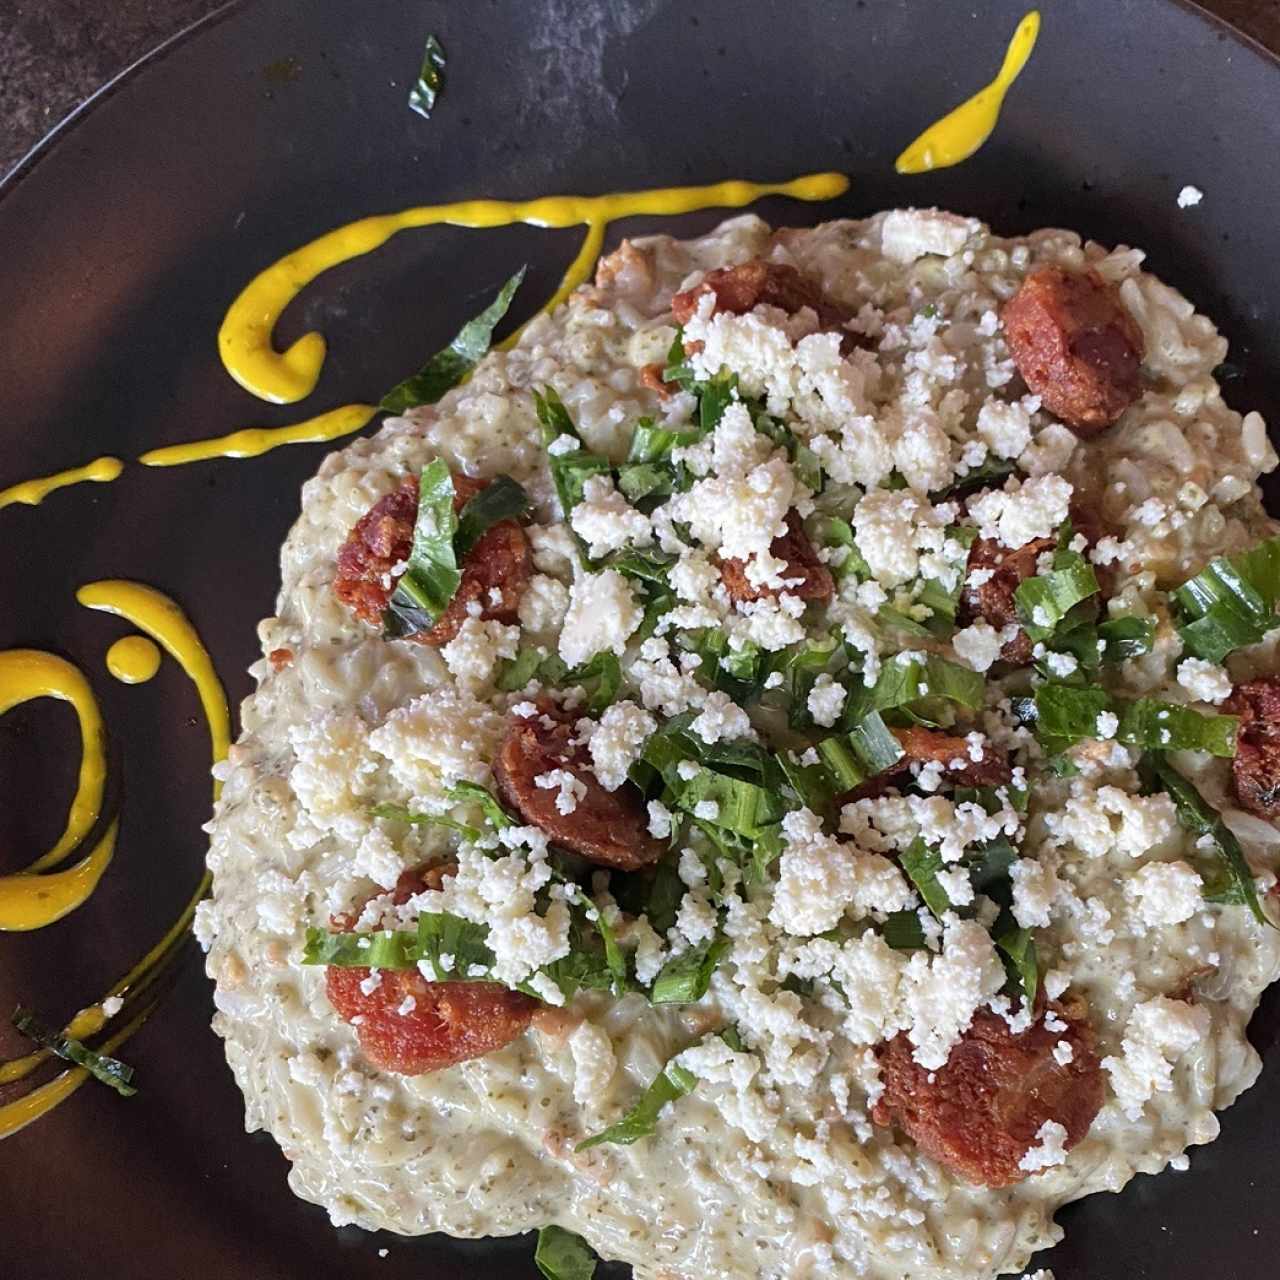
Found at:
(1189, 196)
(978, 645)
(1205, 681)
(659, 820)
(820, 879)
(616, 742)
(543, 604)
(474, 652)
(568, 787)
(606, 521)
(594, 1063)
(1165, 892)
(602, 613)
(826, 700)
(1035, 890)
(944, 992)
(436, 740)
(1110, 820)
(1006, 426)
(721, 720)
(1049, 1149)
(1022, 512)
(900, 535)
(1158, 1033)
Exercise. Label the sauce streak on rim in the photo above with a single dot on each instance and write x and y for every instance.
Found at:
(961, 132)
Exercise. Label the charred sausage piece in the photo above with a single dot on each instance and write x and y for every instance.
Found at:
(446, 1022)
(494, 574)
(743, 288)
(993, 601)
(979, 1114)
(651, 377)
(1076, 346)
(1255, 771)
(610, 828)
(920, 746)
(815, 580)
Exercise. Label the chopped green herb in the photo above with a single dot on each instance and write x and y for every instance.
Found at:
(903, 931)
(1018, 951)
(561, 1255)
(1044, 601)
(451, 365)
(685, 979)
(430, 82)
(922, 865)
(111, 1071)
(1202, 820)
(431, 580)
(641, 1121)
(1231, 603)
(382, 949)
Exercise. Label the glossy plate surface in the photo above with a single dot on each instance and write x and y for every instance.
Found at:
(124, 239)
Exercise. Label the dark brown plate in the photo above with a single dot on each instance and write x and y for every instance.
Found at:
(124, 237)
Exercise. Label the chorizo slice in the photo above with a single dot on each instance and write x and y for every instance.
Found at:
(740, 289)
(494, 574)
(1255, 770)
(411, 1026)
(1076, 346)
(610, 828)
(922, 746)
(442, 1022)
(979, 1114)
(993, 600)
(814, 578)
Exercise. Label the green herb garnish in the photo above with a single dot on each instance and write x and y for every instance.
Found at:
(561, 1255)
(641, 1121)
(111, 1071)
(1231, 602)
(430, 82)
(448, 367)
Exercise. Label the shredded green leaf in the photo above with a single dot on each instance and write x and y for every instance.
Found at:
(448, 367)
(1231, 602)
(1018, 950)
(430, 82)
(429, 583)
(1044, 601)
(1198, 817)
(685, 979)
(1166, 726)
(672, 1082)
(111, 1071)
(903, 931)
(561, 1255)
(441, 933)
(922, 865)
(381, 949)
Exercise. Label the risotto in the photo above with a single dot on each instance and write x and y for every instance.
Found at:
(777, 773)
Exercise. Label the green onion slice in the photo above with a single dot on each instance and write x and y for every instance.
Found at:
(111, 1071)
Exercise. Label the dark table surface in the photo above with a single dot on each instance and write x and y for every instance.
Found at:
(54, 53)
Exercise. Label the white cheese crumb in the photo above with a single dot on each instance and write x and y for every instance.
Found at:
(1020, 513)
(594, 1063)
(826, 700)
(543, 604)
(1165, 892)
(606, 521)
(659, 820)
(1049, 1149)
(602, 613)
(977, 646)
(1189, 196)
(1158, 1033)
(616, 742)
(721, 719)
(569, 788)
(1204, 681)
(908, 234)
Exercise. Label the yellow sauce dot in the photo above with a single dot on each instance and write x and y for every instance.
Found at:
(133, 659)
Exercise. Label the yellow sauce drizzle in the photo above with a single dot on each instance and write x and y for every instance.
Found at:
(31, 492)
(244, 340)
(961, 132)
(29, 673)
(133, 659)
(32, 901)
(252, 441)
(154, 613)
